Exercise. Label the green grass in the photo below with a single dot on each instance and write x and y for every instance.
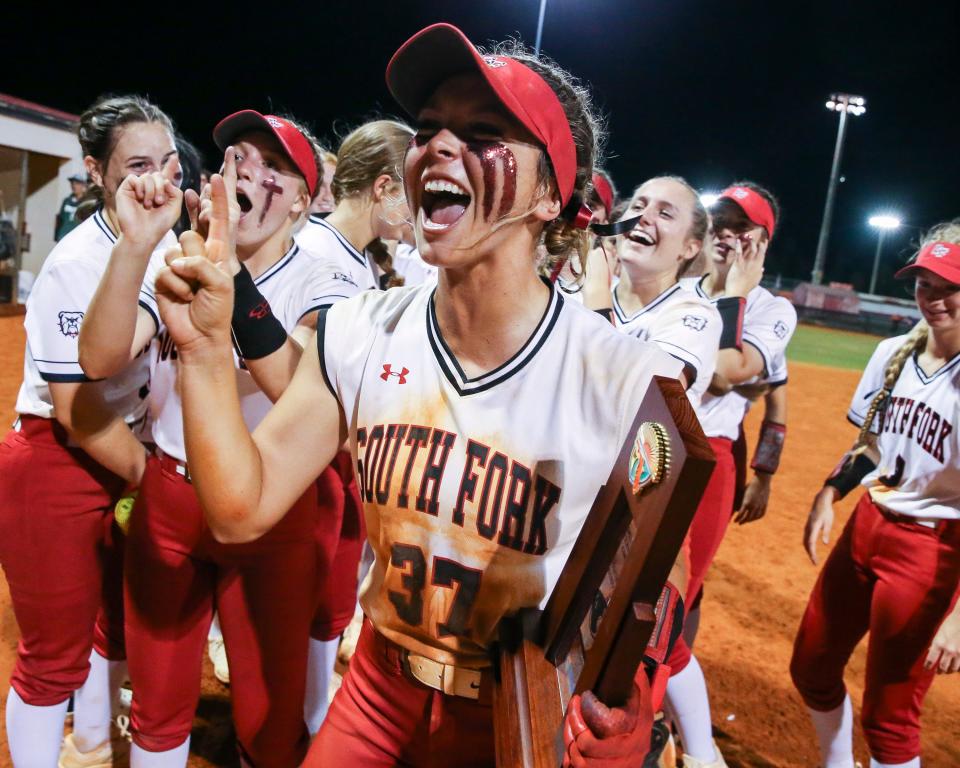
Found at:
(825, 346)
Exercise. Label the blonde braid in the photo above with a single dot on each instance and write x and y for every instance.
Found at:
(915, 341)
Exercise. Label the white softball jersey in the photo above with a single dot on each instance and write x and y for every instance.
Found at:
(682, 324)
(324, 240)
(410, 265)
(768, 324)
(475, 488)
(296, 285)
(55, 310)
(919, 469)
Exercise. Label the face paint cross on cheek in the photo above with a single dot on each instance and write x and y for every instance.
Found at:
(272, 189)
(490, 154)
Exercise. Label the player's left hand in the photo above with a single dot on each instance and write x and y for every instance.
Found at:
(755, 499)
(597, 736)
(596, 282)
(944, 653)
(746, 269)
(195, 289)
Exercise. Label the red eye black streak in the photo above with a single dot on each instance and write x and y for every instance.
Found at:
(490, 154)
(272, 189)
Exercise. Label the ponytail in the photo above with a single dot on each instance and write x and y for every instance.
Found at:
(916, 340)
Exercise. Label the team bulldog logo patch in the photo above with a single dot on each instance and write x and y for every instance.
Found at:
(695, 321)
(70, 323)
(649, 457)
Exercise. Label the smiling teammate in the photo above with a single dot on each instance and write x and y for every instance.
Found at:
(448, 398)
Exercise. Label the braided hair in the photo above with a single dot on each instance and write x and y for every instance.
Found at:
(915, 341)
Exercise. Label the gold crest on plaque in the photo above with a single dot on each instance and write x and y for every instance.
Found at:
(649, 457)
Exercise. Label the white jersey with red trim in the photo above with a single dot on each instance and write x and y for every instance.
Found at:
(768, 324)
(919, 469)
(475, 488)
(682, 324)
(324, 240)
(296, 285)
(58, 302)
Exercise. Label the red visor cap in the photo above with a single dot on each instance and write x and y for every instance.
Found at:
(755, 205)
(441, 51)
(296, 146)
(941, 258)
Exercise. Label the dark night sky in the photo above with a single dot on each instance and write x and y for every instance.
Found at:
(710, 90)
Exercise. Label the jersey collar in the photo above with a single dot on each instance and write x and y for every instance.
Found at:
(622, 316)
(278, 265)
(455, 374)
(361, 258)
(103, 225)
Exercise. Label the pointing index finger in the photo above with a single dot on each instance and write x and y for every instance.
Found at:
(171, 167)
(230, 174)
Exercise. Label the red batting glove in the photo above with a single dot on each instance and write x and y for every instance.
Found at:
(597, 736)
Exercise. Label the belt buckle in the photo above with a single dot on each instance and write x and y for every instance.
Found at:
(446, 678)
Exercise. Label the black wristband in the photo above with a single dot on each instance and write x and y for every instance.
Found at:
(731, 313)
(851, 471)
(256, 330)
(605, 313)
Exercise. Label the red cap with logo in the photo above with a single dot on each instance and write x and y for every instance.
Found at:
(296, 146)
(940, 257)
(441, 51)
(754, 204)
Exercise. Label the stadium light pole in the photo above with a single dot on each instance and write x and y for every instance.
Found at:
(845, 104)
(883, 223)
(543, 10)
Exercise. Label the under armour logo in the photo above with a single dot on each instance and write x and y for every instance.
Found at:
(940, 251)
(695, 322)
(740, 193)
(780, 329)
(494, 61)
(274, 122)
(388, 372)
(260, 311)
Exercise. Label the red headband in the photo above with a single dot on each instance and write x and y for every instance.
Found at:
(940, 257)
(755, 205)
(604, 191)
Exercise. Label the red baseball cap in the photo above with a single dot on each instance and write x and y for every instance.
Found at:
(940, 257)
(441, 51)
(754, 204)
(297, 147)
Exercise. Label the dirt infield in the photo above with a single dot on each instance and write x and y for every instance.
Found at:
(755, 595)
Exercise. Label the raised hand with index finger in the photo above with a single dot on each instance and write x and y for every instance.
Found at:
(195, 289)
(149, 205)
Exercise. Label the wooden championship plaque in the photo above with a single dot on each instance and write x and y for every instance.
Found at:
(601, 614)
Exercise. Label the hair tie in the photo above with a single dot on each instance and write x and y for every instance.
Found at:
(577, 213)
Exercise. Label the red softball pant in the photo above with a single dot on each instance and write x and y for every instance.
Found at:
(382, 717)
(264, 593)
(896, 580)
(63, 559)
(706, 533)
(340, 536)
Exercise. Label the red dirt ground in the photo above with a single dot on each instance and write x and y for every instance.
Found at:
(755, 596)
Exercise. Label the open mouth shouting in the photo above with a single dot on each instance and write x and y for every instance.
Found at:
(246, 205)
(442, 204)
